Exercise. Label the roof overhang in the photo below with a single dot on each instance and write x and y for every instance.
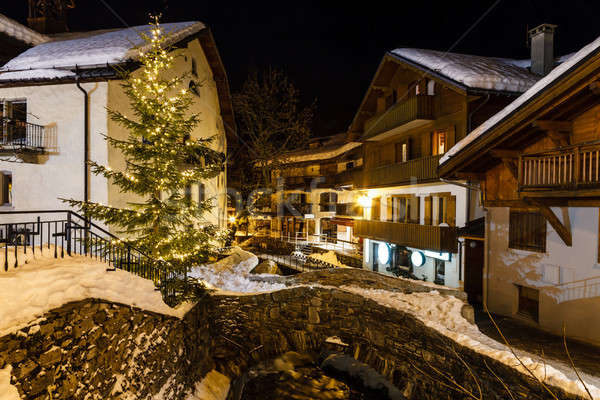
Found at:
(567, 84)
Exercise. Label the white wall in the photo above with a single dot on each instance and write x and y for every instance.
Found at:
(552, 272)
(37, 186)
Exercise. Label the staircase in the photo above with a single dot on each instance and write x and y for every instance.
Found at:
(58, 233)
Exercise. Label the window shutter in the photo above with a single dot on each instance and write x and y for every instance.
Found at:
(390, 209)
(426, 145)
(451, 211)
(450, 137)
(427, 211)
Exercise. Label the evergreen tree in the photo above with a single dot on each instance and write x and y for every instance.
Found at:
(162, 160)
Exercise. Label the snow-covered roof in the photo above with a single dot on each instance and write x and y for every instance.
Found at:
(20, 32)
(36, 74)
(95, 48)
(553, 77)
(476, 72)
(322, 153)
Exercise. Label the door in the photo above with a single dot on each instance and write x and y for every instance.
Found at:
(474, 271)
(375, 256)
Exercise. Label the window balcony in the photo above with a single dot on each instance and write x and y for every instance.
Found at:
(563, 172)
(21, 136)
(408, 114)
(415, 171)
(426, 237)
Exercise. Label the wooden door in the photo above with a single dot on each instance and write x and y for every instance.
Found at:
(473, 274)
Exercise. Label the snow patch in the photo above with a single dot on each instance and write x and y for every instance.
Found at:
(33, 74)
(47, 283)
(474, 71)
(329, 257)
(96, 48)
(336, 340)
(7, 391)
(443, 313)
(231, 274)
(214, 386)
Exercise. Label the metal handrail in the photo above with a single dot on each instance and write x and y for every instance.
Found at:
(21, 134)
(75, 234)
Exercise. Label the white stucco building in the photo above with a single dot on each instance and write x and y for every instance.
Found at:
(43, 105)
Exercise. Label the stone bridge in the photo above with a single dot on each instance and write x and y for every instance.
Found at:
(94, 349)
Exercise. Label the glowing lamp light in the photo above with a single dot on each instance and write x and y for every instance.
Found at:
(232, 219)
(383, 253)
(364, 201)
(417, 258)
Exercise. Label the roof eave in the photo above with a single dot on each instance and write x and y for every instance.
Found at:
(453, 162)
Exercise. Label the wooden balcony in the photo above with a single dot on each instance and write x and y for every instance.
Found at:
(420, 170)
(407, 114)
(564, 172)
(426, 237)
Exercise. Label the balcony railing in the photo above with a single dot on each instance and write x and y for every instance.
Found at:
(426, 237)
(412, 109)
(20, 135)
(410, 172)
(567, 168)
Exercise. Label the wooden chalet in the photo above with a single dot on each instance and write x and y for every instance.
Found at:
(419, 104)
(538, 161)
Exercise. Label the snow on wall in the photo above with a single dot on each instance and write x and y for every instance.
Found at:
(553, 77)
(474, 71)
(47, 283)
(7, 391)
(96, 48)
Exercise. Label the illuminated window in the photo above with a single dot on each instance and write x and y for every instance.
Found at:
(5, 189)
(438, 143)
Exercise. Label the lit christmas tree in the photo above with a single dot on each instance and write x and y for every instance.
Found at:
(162, 161)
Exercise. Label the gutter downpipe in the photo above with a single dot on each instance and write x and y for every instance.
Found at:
(86, 154)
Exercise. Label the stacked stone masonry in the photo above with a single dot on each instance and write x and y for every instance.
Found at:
(96, 350)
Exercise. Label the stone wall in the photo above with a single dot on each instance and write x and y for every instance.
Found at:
(99, 350)
(96, 350)
(250, 329)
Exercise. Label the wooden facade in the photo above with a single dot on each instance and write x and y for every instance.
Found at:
(539, 167)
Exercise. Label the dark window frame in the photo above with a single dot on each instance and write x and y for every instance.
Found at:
(527, 230)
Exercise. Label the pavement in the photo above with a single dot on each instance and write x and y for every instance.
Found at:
(523, 336)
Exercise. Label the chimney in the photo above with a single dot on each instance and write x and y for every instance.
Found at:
(542, 48)
(49, 16)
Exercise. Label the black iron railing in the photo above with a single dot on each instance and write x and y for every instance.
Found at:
(20, 135)
(68, 233)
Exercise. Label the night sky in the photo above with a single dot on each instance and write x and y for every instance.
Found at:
(331, 51)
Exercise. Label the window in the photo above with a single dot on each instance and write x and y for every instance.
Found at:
(405, 209)
(403, 151)
(438, 143)
(430, 88)
(529, 302)
(350, 165)
(527, 231)
(14, 116)
(201, 192)
(188, 193)
(5, 188)
(194, 67)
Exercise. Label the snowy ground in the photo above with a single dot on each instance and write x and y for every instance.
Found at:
(46, 283)
(231, 274)
(7, 391)
(330, 257)
(443, 313)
